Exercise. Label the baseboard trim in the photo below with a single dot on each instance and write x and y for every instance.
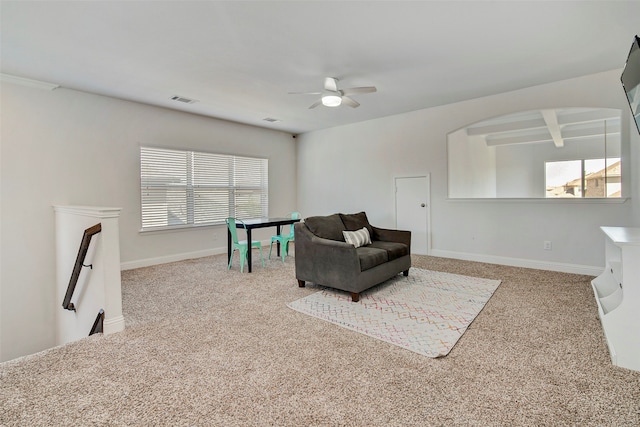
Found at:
(110, 326)
(148, 262)
(520, 262)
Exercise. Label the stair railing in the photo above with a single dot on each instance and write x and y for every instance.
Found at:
(97, 327)
(82, 253)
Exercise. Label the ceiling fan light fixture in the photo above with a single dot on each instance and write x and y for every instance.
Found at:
(331, 100)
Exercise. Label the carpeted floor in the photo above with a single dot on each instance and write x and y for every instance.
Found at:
(207, 347)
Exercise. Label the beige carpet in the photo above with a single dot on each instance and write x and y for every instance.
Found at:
(207, 347)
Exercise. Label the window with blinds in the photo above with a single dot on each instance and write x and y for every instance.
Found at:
(190, 188)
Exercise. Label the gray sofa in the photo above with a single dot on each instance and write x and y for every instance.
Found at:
(323, 256)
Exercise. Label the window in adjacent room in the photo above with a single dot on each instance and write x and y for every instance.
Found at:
(586, 178)
(190, 188)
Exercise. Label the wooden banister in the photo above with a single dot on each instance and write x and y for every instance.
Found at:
(82, 253)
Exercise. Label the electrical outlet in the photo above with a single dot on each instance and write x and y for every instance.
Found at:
(547, 245)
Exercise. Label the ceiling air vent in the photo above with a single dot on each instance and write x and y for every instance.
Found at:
(183, 99)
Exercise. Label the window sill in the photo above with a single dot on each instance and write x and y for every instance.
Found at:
(615, 201)
(178, 229)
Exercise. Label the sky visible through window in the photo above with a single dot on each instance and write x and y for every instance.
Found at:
(560, 173)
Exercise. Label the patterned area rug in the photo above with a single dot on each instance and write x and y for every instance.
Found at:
(426, 312)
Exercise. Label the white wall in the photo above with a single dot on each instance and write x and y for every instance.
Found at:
(516, 174)
(351, 168)
(472, 166)
(65, 147)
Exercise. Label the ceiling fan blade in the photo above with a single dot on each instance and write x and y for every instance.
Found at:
(304, 93)
(350, 102)
(331, 84)
(315, 104)
(358, 90)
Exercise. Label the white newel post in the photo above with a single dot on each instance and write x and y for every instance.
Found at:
(99, 286)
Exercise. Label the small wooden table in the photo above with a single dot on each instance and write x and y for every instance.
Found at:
(258, 223)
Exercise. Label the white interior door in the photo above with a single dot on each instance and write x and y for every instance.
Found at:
(412, 211)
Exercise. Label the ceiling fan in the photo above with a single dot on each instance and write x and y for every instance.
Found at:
(334, 97)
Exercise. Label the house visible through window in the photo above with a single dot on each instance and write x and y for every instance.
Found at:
(592, 178)
(189, 188)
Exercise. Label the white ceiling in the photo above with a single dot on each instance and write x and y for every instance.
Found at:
(240, 59)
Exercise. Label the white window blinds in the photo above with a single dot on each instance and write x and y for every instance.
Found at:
(190, 188)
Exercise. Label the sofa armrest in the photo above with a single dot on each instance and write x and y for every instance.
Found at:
(387, 235)
(324, 261)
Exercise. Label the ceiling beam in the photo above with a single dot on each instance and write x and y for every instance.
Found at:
(551, 119)
(506, 127)
(519, 139)
(588, 132)
(567, 135)
(598, 115)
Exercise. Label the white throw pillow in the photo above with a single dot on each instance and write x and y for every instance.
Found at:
(357, 238)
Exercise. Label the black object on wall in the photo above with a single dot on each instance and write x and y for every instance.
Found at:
(631, 80)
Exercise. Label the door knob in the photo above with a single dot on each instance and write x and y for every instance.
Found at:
(422, 205)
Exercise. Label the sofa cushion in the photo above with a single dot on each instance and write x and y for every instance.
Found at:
(395, 250)
(356, 222)
(357, 238)
(370, 257)
(327, 227)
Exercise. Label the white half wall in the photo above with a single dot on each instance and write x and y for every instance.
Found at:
(351, 168)
(65, 147)
(97, 287)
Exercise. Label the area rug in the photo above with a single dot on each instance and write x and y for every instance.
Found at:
(426, 312)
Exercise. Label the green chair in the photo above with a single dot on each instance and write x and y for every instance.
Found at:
(284, 239)
(242, 246)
